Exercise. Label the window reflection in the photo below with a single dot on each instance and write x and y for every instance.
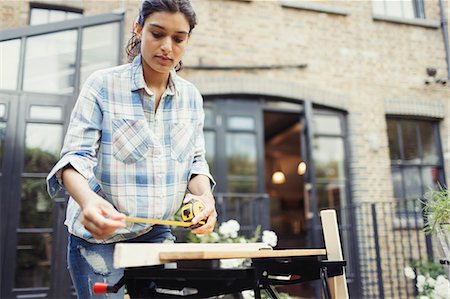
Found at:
(413, 183)
(36, 205)
(241, 186)
(99, 48)
(327, 124)
(428, 142)
(9, 61)
(410, 143)
(329, 157)
(43, 144)
(46, 112)
(33, 260)
(210, 149)
(329, 195)
(209, 117)
(43, 15)
(241, 159)
(50, 63)
(394, 147)
(241, 123)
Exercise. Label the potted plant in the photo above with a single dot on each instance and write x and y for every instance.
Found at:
(437, 216)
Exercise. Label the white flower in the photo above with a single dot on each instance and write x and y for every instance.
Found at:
(420, 282)
(229, 229)
(214, 237)
(269, 237)
(441, 288)
(409, 272)
(431, 281)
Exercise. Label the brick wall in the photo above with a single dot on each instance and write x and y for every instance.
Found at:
(368, 67)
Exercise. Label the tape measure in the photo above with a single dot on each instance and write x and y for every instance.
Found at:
(192, 209)
(188, 212)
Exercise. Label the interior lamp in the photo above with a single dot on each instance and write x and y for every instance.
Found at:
(278, 177)
(301, 168)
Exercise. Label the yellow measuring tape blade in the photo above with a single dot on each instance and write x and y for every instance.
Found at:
(158, 221)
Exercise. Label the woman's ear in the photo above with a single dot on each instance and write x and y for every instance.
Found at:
(137, 28)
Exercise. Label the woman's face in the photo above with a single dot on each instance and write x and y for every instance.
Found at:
(164, 37)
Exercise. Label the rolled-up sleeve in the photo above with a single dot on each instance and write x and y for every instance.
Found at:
(83, 135)
(199, 164)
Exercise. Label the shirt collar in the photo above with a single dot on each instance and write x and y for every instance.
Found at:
(137, 77)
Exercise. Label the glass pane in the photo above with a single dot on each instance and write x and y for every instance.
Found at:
(241, 186)
(46, 112)
(240, 123)
(2, 139)
(378, 7)
(43, 143)
(410, 140)
(428, 142)
(57, 16)
(209, 117)
(9, 60)
(413, 185)
(408, 9)
(430, 177)
(38, 16)
(329, 157)
(241, 159)
(210, 145)
(50, 63)
(33, 260)
(394, 8)
(73, 15)
(327, 124)
(397, 182)
(394, 147)
(36, 207)
(2, 110)
(100, 48)
(329, 195)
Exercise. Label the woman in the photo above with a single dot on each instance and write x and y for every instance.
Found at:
(134, 147)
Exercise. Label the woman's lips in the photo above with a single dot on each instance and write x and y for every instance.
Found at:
(163, 59)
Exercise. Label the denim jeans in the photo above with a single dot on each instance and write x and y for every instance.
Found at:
(89, 263)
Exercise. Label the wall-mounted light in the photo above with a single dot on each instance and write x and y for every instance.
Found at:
(431, 77)
(278, 178)
(301, 168)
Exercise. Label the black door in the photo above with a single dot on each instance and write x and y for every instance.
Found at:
(38, 128)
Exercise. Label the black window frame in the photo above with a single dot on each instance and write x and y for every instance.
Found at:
(401, 165)
(418, 7)
(57, 7)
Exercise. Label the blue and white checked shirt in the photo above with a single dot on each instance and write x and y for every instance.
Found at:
(138, 160)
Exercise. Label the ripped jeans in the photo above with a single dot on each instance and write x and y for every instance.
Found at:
(89, 263)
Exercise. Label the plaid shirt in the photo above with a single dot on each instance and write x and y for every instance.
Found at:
(137, 159)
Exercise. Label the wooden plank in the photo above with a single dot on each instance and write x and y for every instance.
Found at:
(168, 256)
(338, 284)
(147, 254)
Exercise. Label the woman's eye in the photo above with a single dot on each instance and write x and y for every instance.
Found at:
(178, 40)
(156, 34)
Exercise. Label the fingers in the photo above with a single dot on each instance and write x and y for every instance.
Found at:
(208, 227)
(102, 220)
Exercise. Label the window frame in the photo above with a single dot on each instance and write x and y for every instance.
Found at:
(55, 7)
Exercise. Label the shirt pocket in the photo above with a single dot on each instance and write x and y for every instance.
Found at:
(131, 140)
(182, 141)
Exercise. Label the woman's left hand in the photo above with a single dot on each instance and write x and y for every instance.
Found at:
(209, 211)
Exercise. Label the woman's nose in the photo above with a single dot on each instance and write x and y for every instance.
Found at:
(166, 45)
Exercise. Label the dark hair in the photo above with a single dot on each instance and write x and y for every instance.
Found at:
(151, 6)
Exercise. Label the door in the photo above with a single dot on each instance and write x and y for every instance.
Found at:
(38, 126)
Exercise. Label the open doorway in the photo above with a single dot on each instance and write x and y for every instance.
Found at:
(284, 178)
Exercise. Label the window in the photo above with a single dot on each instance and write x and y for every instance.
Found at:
(47, 13)
(416, 161)
(408, 9)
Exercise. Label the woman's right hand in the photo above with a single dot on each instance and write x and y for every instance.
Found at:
(100, 218)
